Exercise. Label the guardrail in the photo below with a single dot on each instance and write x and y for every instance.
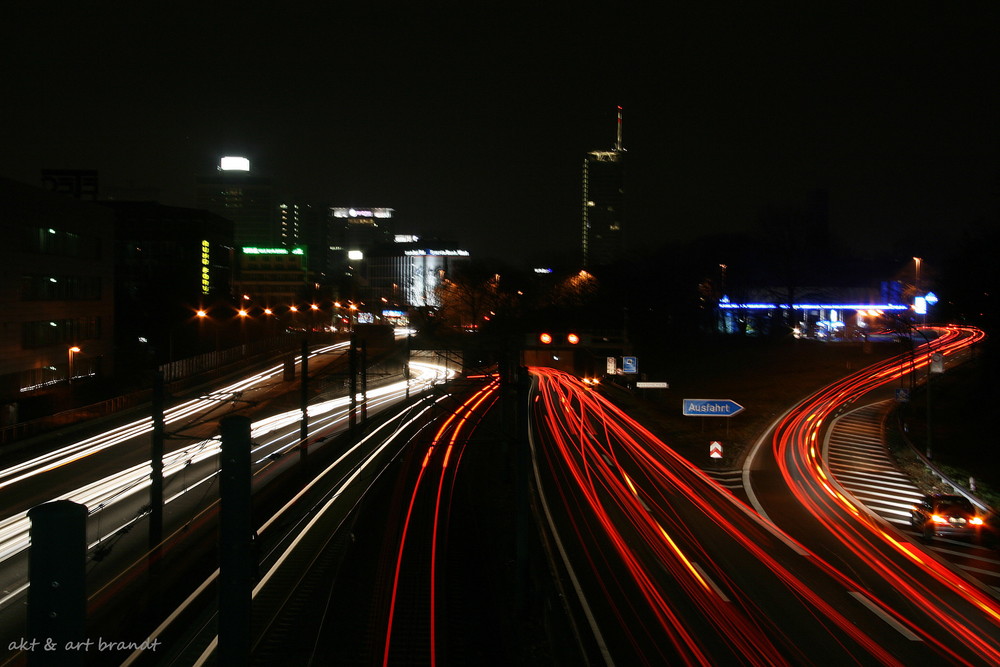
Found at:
(937, 472)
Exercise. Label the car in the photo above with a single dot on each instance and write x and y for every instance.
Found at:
(951, 515)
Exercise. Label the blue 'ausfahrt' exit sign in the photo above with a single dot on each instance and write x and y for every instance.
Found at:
(709, 407)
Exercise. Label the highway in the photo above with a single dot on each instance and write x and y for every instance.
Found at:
(657, 563)
(668, 567)
(109, 474)
(955, 619)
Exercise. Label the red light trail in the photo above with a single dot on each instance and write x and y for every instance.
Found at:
(639, 511)
(447, 443)
(954, 605)
(590, 447)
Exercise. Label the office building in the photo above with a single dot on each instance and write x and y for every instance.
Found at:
(408, 273)
(603, 204)
(272, 277)
(352, 232)
(360, 228)
(246, 198)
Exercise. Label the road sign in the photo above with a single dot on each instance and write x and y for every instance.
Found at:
(612, 366)
(715, 449)
(630, 365)
(710, 407)
(652, 385)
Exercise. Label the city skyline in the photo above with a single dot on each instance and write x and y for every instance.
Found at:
(468, 121)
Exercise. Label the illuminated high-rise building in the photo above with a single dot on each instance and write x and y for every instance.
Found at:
(360, 228)
(245, 198)
(603, 203)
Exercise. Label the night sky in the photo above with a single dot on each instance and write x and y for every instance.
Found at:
(471, 119)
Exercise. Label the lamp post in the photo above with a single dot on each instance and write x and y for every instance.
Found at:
(72, 352)
(268, 322)
(201, 314)
(928, 390)
(243, 314)
(918, 294)
(913, 361)
(313, 309)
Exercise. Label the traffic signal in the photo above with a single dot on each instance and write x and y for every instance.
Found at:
(558, 339)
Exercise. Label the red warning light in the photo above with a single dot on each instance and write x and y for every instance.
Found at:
(545, 338)
(572, 339)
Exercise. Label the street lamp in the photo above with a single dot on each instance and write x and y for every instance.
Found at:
(927, 389)
(912, 328)
(72, 351)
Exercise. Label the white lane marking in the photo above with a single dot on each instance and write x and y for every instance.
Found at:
(901, 629)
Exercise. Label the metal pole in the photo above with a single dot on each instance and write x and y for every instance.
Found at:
(352, 383)
(929, 454)
(236, 543)
(406, 366)
(364, 381)
(156, 465)
(57, 594)
(927, 341)
(304, 401)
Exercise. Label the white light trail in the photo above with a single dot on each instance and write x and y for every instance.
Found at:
(101, 494)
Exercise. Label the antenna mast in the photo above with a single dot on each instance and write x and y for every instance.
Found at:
(618, 141)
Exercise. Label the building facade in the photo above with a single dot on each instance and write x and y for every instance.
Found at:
(273, 278)
(169, 262)
(57, 290)
(352, 234)
(409, 273)
(360, 228)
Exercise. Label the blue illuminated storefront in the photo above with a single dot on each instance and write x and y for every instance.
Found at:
(827, 314)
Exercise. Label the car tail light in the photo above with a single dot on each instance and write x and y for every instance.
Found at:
(976, 521)
(937, 518)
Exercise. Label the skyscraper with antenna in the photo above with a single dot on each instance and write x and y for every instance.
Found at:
(603, 203)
